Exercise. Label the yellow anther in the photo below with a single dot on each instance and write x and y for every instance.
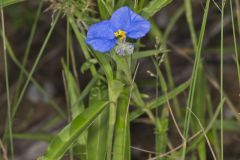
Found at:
(120, 34)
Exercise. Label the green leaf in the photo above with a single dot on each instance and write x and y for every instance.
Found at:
(199, 109)
(121, 129)
(97, 144)
(5, 3)
(114, 90)
(33, 136)
(153, 7)
(68, 135)
(73, 92)
(77, 107)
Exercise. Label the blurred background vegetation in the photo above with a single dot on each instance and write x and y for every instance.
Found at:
(174, 36)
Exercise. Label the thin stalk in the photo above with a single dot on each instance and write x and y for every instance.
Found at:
(201, 136)
(221, 76)
(65, 81)
(188, 8)
(205, 135)
(214, 139)
(9, 118)
(196, 65)
(73, 59)
(4, 152)
(68, 43)
(209, 126)
(235, 44)
(238, 14)
(171, 84)
(164, 89)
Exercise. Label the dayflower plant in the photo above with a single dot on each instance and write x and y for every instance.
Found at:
(103, 36)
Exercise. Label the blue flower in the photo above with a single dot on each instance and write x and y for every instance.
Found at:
(123, 23)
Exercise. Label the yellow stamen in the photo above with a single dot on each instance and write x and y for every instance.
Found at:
(120, 34)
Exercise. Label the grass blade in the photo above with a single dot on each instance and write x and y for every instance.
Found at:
(69, 134)
(235, 43)
(96, 143)
(153, 7)
(104, 9)
(5, 3)
(199, 109)
(9, 108)
(115, 87)
(196, 65)
(120, 136)
(221, 76)
(76, 107)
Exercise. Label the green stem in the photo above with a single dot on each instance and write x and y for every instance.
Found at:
(111, 123)
(9, 118)
(221, 77)
(196, 65)
(235, 44)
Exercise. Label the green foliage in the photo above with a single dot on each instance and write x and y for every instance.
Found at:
(153, 7)
(5, 3)
(121, 129)
(101, 113)
(97, 144)
(69, 134)
(77, 107)
(104, 9)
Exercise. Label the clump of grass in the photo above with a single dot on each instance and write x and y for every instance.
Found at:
(98, 115)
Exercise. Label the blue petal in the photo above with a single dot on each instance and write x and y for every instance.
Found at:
(100, 30)
(133, 24)
(102, 45)
(101, 37)
(120, 19)
(139, 27)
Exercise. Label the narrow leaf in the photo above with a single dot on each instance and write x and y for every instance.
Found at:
(68, 135)
(77, 107)
(5, 3)
(97, 144)
(121, 128)
(153, 7)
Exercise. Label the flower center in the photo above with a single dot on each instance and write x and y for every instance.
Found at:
(120, 34)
